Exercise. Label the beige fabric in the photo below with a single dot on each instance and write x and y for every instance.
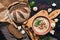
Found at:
(6, 3)
(3, 15)
(1, 5)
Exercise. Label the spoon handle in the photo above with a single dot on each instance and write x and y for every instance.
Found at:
(54, 14)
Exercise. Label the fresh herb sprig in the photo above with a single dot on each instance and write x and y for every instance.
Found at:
(37, 22)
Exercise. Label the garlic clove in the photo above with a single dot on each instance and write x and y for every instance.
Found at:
(56, 20)
(22, 32)
(52, 32)
(54, 4)
(49, 9)
(35, 8)
(19, 27)
(53, 25)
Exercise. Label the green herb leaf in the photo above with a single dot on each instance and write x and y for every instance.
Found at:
(32, 3)
(37, 22)
(48, 38)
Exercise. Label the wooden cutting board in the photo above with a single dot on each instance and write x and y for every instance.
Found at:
(40, 13)
(50, 16)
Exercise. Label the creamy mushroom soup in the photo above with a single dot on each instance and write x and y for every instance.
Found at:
(41, 25)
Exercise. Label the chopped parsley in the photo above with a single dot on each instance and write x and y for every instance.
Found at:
(37, 22)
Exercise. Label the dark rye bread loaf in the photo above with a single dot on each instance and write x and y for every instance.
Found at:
(20, 12)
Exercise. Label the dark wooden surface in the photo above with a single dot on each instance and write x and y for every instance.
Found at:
(48, 4)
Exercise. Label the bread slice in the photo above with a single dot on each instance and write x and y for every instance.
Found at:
(14, 32)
